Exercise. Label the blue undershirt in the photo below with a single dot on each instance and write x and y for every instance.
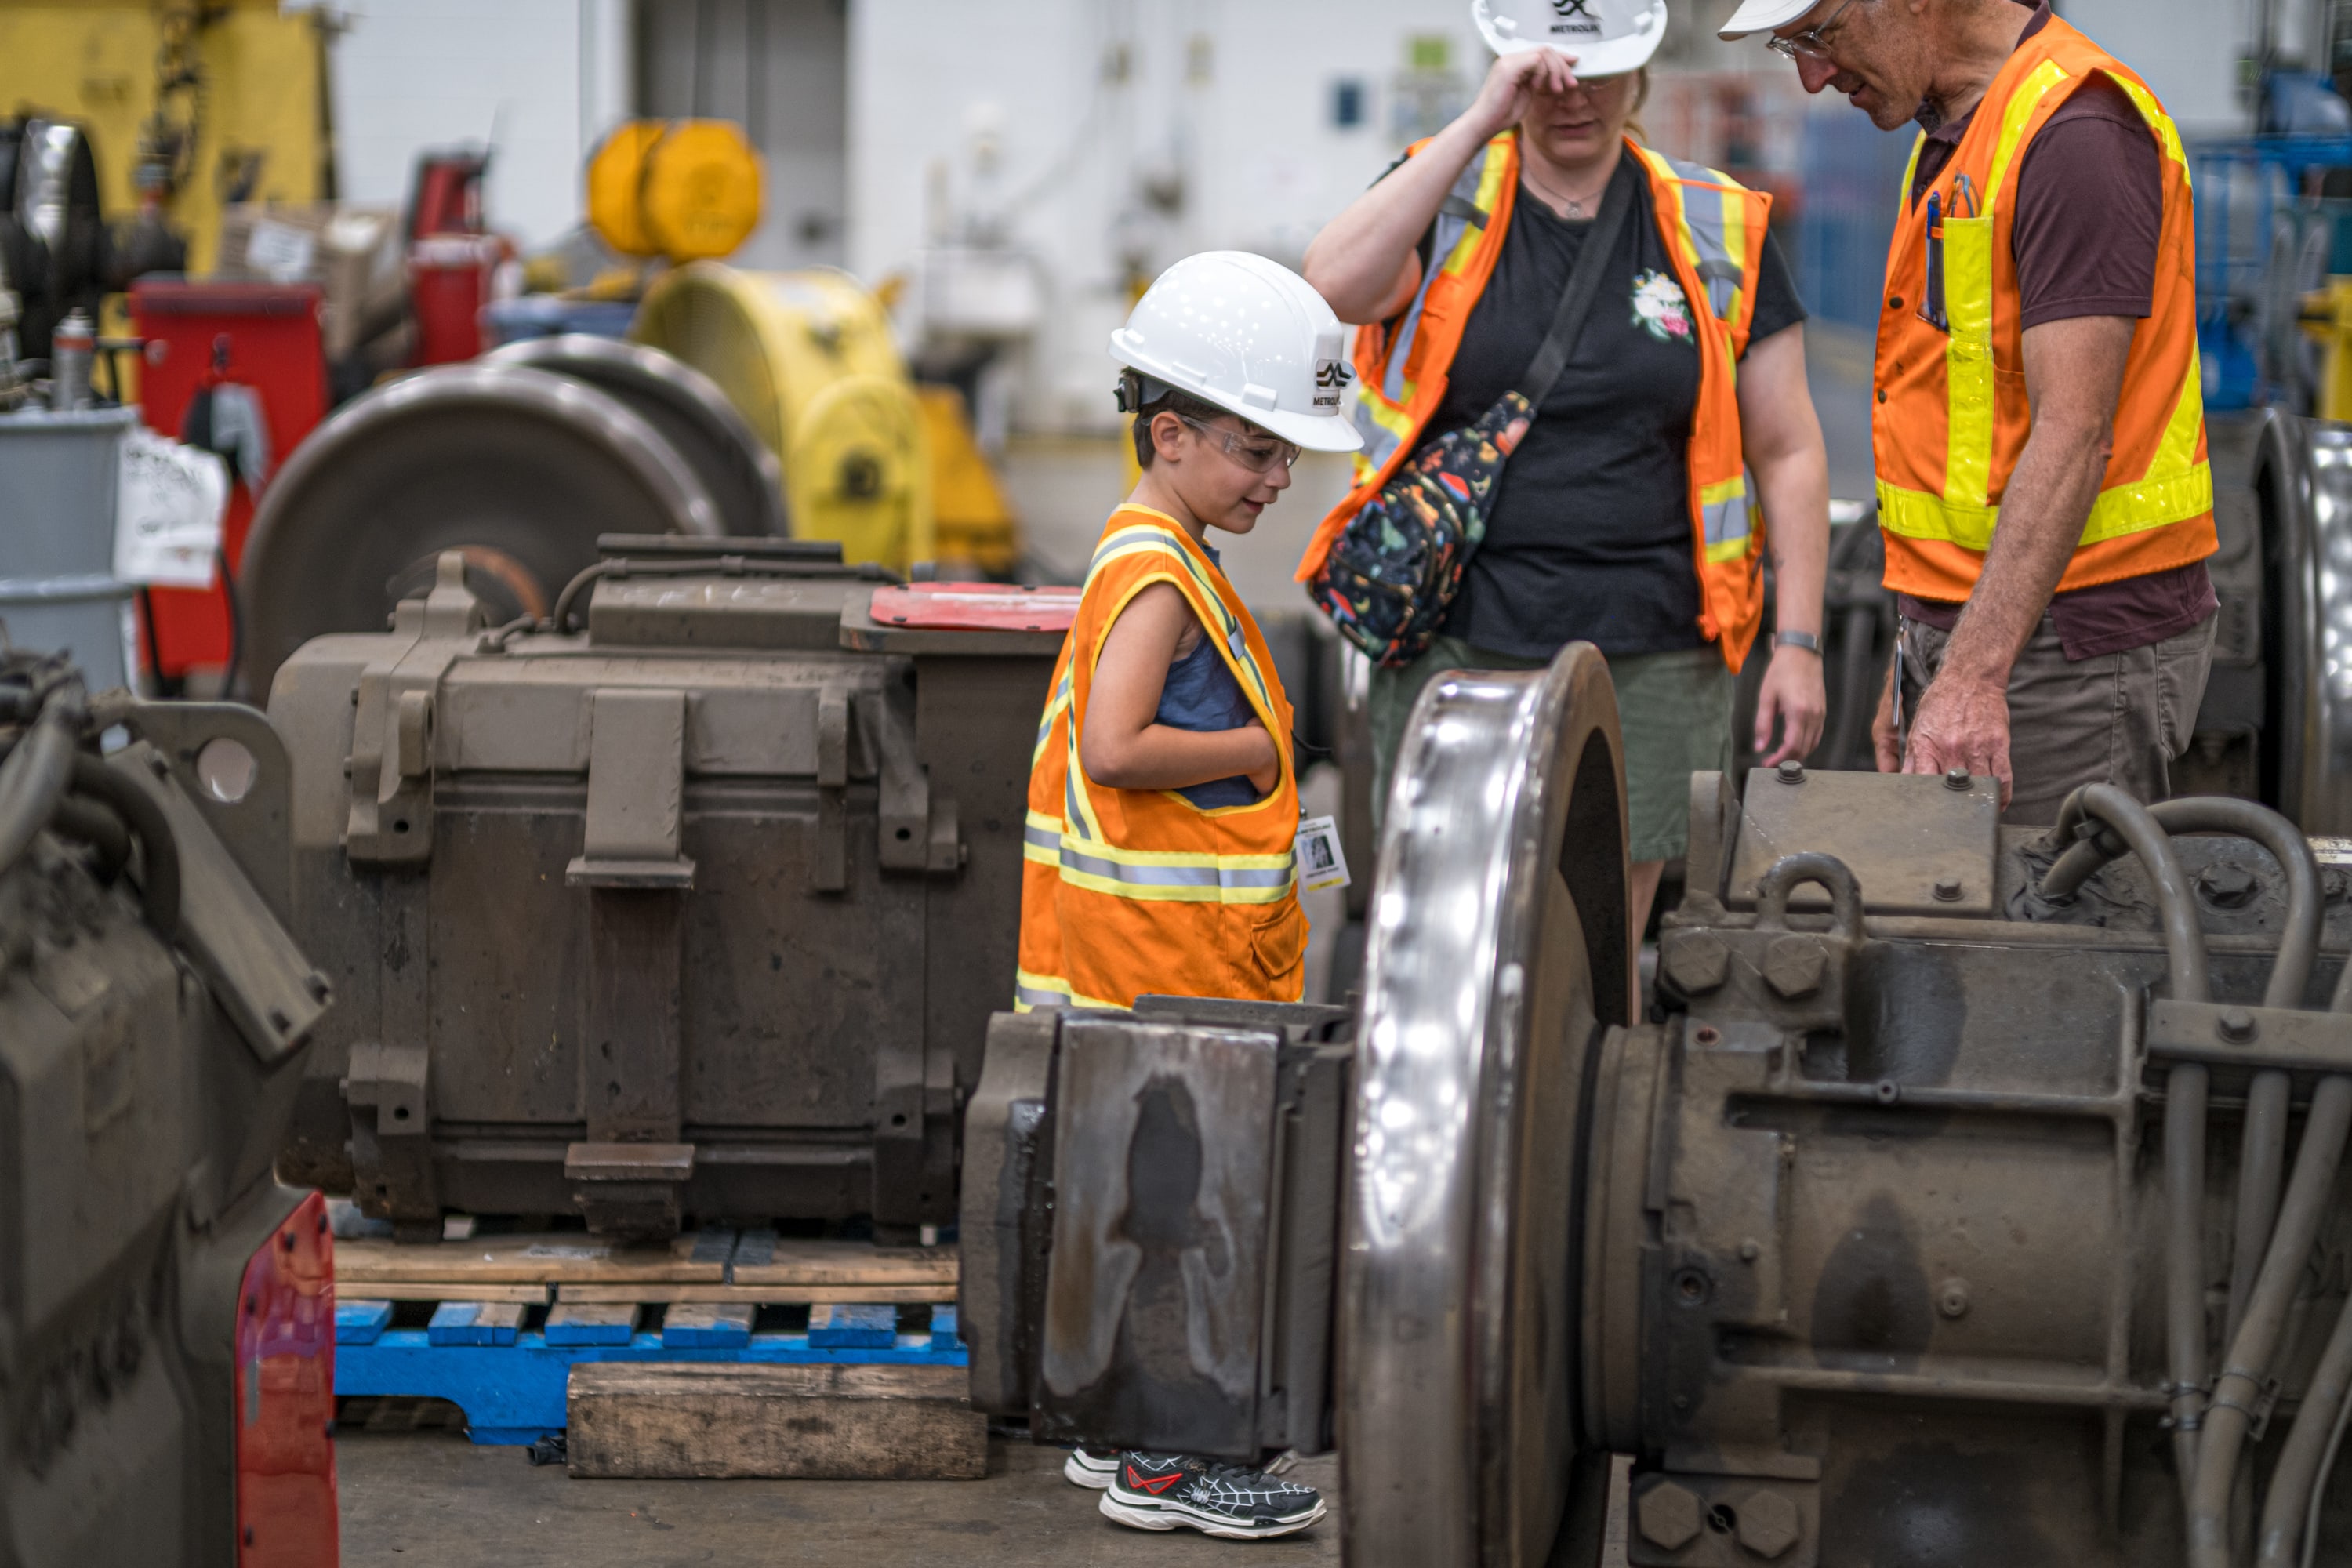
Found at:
(1201, 696)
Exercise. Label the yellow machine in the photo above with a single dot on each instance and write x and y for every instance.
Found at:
(808, 360)
(688, 190)
(192, 106)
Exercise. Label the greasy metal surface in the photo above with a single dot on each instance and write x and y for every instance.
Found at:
(1154, 1301)
(853, 823)
(1497, 942)
(532, 465)
(1904, 837)
(1005, 1129)
(745, 480)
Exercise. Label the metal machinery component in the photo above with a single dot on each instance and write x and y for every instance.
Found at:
(743, 478)
(58, 588)
(809, 360)
(1894, 1233)
(166, 1309)
(691, 902)
(521, 468)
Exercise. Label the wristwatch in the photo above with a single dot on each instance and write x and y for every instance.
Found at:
(1805, 640)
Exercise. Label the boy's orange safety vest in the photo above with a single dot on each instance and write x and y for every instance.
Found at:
(1952, 416)
(1129, 892)
(1714, 230)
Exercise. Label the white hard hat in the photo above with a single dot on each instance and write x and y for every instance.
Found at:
(1606, 38)
(1765, 15)
(1250, 336)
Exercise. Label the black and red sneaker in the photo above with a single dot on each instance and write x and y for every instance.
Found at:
(1164, 1491)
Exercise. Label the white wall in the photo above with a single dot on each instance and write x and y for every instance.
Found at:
(2187, 49)
(549, 75)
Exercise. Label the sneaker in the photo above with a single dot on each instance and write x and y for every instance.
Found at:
(1164, 1491)
(1092, 1471)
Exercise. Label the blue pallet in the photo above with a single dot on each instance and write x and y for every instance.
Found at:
(839, 1328)
(514, 1393)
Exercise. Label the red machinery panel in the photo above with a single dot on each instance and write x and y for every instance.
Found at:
(285, 1515)
(272, 339)
(975, 607)
(449, 279)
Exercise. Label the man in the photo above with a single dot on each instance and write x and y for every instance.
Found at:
(2037, 370)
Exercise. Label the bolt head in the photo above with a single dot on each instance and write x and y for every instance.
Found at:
(1669, 1515)
(2228, 887)
(1697, 963)
(1949, 888)
(1793, 967)
(1952, 1298)
(2237, 1025)
(1768, 1523)
(1792, 771)
(1958, 779)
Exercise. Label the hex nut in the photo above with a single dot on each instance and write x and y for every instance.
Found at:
(1792, 771)
(2237, 1025)
(1958, 779)
(1952, 1298)
(2228, 887)
(1949, 888)
(1793, 967)
(1669, 1515)
(1768, 1523)
(1697, 963)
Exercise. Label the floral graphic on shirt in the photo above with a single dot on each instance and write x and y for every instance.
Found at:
(1660, 305)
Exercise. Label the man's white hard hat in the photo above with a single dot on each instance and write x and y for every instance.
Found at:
(1765, 17)
(1606, 38)
(1252, 336)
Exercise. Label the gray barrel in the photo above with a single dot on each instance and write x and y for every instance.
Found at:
(58, 589)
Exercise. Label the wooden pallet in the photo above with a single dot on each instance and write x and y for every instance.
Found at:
(834, 1423)
(752, 1267)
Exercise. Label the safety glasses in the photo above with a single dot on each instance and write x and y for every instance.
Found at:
(1254, 450)
(1812, 41)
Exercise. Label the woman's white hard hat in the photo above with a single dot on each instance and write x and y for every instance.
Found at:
(1605, 38)
(1252, 336)
(1765, 17)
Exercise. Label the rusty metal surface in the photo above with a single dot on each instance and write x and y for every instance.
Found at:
(1913, 851)
(764, 870)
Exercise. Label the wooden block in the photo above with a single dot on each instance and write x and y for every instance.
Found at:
(475, 1323)
(943, 1328)
(546, 1259)
(761, 1259)
(646, 1420)
(453, 1290)
(862, 1326)
(592, 1323)
(708, 1325)
(757, 1295)
(361, 1323)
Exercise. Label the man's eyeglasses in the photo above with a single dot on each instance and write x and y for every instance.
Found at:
(1253, 450)
(1812, 41)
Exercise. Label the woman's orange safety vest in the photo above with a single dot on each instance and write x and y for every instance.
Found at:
(1129, 892)
(1714, 229)
(1952, 416)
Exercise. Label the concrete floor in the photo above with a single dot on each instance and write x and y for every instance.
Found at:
(431, 1497)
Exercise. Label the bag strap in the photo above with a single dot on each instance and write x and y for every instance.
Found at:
(1583, 284)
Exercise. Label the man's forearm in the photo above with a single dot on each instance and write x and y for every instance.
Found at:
(2041, 518)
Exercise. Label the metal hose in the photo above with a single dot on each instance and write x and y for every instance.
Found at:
(33, 776)
(160, 875)
(2294, 1482)
(2249, 1359)
(79, 816)
(2136, 828)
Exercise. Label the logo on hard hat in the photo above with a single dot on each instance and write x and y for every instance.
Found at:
(1330, 375)
(1566, 9)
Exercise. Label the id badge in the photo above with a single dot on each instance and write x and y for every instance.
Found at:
(1322, 863)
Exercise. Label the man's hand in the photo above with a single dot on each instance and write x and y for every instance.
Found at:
(1511, 84)
(1962, 724)
(1792, 695)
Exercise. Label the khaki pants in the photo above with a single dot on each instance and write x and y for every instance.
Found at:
(2119, 718)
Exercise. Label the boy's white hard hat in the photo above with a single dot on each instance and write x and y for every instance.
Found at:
(1250, 336)
(1765, 15)
(1606, 38)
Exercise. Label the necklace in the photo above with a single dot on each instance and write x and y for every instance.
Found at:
(1576, 208)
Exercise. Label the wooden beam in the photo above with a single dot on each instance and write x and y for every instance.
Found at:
(685, 1420)
(757, 1295)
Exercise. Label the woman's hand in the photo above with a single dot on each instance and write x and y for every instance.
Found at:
(1793, 696)
(1510, 86)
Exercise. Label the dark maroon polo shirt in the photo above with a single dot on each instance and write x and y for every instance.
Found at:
(2090, 217)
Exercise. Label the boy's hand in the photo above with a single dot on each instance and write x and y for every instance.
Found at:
(1264, 778)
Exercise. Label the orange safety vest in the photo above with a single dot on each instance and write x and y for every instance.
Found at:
(1952, 415)
(1714, 229)
(1129, 892)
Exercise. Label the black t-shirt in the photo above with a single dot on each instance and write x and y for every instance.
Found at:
(1589, 537)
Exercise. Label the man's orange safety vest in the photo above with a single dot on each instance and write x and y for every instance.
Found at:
(1952, 415)
(1129, 892)
(1714, 229)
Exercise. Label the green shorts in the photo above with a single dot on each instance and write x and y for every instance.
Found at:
(1673, 709)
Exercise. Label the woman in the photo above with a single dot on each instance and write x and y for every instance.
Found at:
(1621, 516)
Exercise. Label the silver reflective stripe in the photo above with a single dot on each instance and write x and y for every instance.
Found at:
(1704, 209)
(1042, 837)
(1727, 520)
(1380, 441)
(1447, 233)
(1030, 995)
(1174, 875)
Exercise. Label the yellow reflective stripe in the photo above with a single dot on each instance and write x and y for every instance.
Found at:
(1032, 991)
(2118, 513)
(1729, 489)
(1133, 540)
(1162, 876)
(1729, 550)
(2019, 113)
(2157, 121)
(1911, 171)
(2177, 454)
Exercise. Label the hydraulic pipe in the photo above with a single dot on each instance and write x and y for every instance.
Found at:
(2248, 1358)
(33, 778)
(160, 875)
(2298, 1471)
(79, 816)
(2137, 830)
